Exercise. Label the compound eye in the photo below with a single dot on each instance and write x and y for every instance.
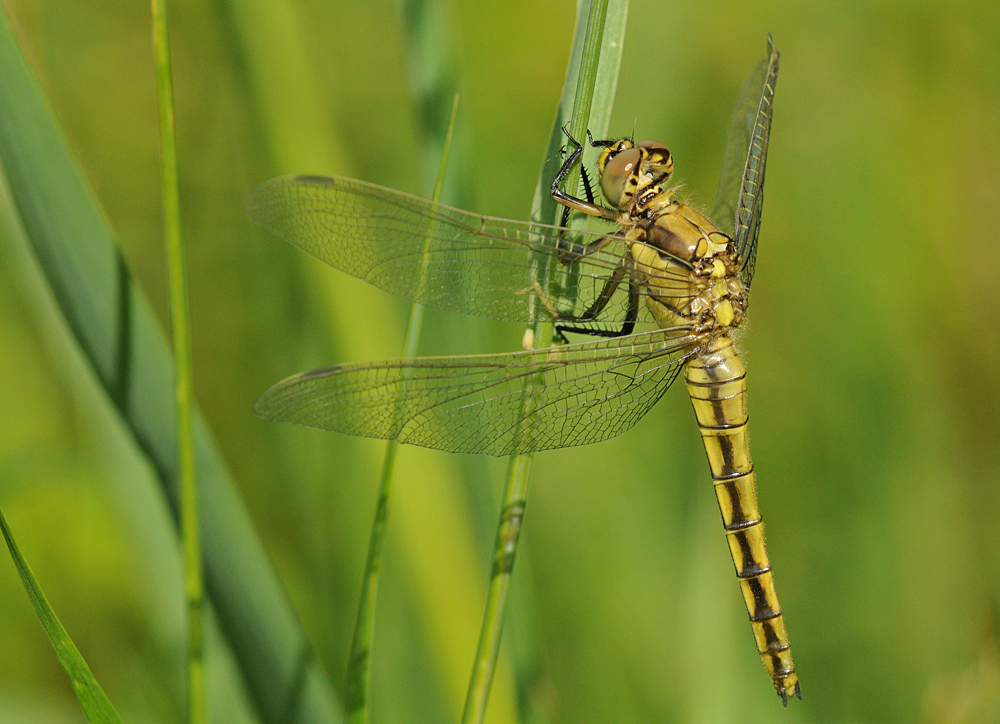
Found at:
(616, 173)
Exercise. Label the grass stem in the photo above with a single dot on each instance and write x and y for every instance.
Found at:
(359, 663)
(190, 525)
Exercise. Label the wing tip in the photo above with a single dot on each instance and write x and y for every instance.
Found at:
(773, 55)
(266, 406)
(262, 408)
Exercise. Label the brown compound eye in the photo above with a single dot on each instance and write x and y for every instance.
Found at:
(616, 174)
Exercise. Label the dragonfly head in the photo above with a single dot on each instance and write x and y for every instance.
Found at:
(628, 167)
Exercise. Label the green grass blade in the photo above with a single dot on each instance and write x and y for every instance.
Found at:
(298, 137)
(93, 700)
(359, 664)
(511, 517)
(583, 96)
(190, 538)
(432, 80)
(112, 322)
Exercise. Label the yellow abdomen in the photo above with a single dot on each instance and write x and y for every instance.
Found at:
(716, 382)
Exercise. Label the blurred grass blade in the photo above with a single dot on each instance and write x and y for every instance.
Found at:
(432, 78)
(93, 700)
(359, 664)
(112, 322)
(433, 62)
(432, 82)
(190, 538)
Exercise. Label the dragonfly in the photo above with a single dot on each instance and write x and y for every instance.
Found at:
(659, 294)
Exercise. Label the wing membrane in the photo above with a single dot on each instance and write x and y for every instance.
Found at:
(444, 257)
(740, 196)
(497, 404)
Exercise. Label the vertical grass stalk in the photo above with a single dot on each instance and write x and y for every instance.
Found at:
(359, 664)
(582, 77)
(511, 516)
(190, 526)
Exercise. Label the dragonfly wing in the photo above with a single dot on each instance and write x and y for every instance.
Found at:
(740, 196)
(444, 257)
(498, 404)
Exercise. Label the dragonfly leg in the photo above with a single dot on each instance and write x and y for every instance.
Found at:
(569, 252)
(606, 143)
(631, 315)
(587, 189)
(605, 296)
(572, 202)
(536, 289)
(598, 306)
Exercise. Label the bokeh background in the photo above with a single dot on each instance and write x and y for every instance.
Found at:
(873, 348)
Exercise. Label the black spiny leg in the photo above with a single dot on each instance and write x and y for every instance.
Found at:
(586, 184)
(585, 206)
(606, 143)
(589, 314)
(588, 190)
(631, 316)
(570, 160)
(569, 252)
(564, 222)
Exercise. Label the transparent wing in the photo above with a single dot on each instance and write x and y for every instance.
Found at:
(740, 196)
(497, 404)
(448, 258)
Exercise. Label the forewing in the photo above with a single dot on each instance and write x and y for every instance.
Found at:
(740, 196)
(444, 257)
(498, 404)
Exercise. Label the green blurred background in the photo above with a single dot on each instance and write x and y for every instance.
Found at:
(873, 348)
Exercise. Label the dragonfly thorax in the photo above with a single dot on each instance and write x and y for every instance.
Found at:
(680, 241)
(677, 242)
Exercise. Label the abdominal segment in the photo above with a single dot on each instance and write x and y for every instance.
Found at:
(716, 382)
